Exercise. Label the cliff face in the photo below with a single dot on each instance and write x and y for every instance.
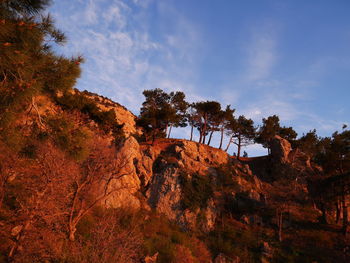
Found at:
(154, 174)
(123, 115)
(248, 208)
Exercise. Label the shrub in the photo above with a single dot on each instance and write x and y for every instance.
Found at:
(233, 241)
(225, 178)
(106, 120)
(69, 138)
(164, 237)
(196, 190)
(29, 151)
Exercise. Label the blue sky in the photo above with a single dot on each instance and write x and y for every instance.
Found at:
(264, 57)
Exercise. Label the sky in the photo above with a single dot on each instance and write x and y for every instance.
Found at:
(263, 57)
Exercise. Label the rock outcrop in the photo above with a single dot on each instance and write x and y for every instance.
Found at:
(137, 170)
(153, 179)
(289, 162)
(280, 149)
(123, 115)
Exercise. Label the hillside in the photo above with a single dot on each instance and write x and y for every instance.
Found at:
(82, 179)
(164, 197)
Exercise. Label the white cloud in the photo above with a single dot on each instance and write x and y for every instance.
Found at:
(261, 56)
(114, 15)
(122, 58)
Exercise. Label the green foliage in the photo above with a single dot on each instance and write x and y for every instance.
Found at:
(334, 153)
(69, 138)
(225, 178)
(288, 133)
(106, 120)
(28, 66)
(308, 143)
(196, 190)
(12, 137)
(207, 112)
(241, 131)
(11, 8)
(234, 241)
(161, 110)
(162, 236)
(268, 130)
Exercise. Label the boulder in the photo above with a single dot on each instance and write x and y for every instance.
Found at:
(280, 149)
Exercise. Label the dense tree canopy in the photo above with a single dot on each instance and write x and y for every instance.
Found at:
(28, 65)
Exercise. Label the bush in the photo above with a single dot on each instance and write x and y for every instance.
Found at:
(233, 241)
(196, 190)
(106, 120)
(225, 178)
(69, 138)
(29, 151)
(167, 239)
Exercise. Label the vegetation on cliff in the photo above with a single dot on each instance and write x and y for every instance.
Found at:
(67, 166)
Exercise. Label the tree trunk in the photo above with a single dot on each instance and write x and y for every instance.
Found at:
(211, 134)
(191, 133)
(153, 137)
(280, 228)
(280, 224)
(239, 148)
(345, 215)
(324, 215)
(229, 143)
(72, 230)
(337, 209)
(171, 126)
(166, 129)
(204, 129)
(221, 138)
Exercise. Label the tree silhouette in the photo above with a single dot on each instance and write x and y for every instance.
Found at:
(155, 113)
(207, 111)
(179, 106)
(241, 132)
(270, 128)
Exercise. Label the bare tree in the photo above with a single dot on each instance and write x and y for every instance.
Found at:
(43, 198)
(101, 168)
(109, 241)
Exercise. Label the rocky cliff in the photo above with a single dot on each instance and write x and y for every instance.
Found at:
(123, 115)
(155, 173)
(178, 192)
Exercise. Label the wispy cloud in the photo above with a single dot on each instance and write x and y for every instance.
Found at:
(262, 54)
(122, 57)
(127, 50)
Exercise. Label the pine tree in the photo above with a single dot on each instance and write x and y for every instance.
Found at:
(242, 133)
(28, 65)
(179, 108)
(207, 112)
(270, 128)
